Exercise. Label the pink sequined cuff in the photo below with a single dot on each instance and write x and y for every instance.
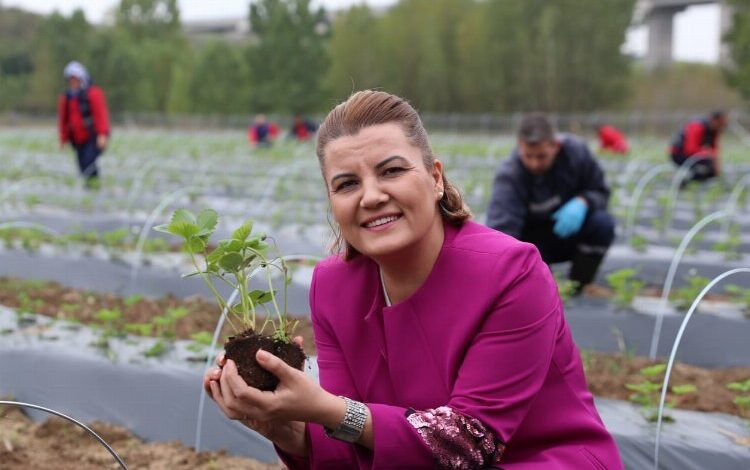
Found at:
(457, 441)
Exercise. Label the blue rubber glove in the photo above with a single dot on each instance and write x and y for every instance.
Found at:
(569, 218)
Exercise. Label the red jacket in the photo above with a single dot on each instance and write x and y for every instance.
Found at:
(700, 139)
(612, 140)
(71, 122)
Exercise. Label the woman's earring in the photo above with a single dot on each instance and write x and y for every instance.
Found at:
(440, 195)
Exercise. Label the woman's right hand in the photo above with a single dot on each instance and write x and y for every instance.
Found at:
(287, 435)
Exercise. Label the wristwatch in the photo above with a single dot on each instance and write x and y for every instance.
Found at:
(353, 424)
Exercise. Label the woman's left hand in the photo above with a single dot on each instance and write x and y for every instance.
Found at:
(296, 398)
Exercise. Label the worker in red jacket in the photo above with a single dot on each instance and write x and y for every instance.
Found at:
(263, 132)
(83, 120)
(611, 139)
(302, 128)
(699, 139)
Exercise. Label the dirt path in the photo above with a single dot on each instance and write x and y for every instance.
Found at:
(56, 444)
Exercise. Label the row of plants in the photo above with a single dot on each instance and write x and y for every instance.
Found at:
(166, 319)
(121, 239)
(624, 285)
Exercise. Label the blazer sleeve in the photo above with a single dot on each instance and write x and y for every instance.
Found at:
(335, 377)
(486, 406)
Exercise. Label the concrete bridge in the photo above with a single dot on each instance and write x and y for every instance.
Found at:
(658, 16)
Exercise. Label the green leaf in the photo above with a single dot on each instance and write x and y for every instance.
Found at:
(216, 254)
(260, 296)
(243, 231)
(654, 370)
(231, 245)
(195, 245)
(175, 313)
(230, 262)
(107, 315)
(163, 228)
(182, 216)
(683, 389)
(185, 230)
(156, 350)
(207, 220)
(202, 337)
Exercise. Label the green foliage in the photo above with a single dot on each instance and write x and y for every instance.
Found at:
(232, 262)
(131, 300)
(288, 59)
(647, 393)
(111, 326)
(142, 329)
(730, 246)
(625, 285)
(739, 386)
(742, 395)
(639, 243)
(738, 41)
(164, 325)
(683, 297)
(201, 341)
(565, 287)
(158, 349)
(216, 80)
(684, 389)
(741, 295)
(443, 55)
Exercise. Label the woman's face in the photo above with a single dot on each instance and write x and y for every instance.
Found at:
(381, 194)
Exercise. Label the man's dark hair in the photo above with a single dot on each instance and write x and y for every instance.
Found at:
(717, 114)
(536, 128)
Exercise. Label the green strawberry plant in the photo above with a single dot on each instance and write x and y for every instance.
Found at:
(741, 295)
(683, 297)
(625, 285)
(231, 262)
(647, 393)
(742, 396)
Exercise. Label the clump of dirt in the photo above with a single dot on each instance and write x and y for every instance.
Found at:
(607, 375)
(65, 303)
(242, 349)
(60, 445)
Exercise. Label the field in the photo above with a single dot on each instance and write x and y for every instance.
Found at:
(96, 321)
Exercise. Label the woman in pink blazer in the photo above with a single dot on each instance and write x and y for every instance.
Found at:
(441, 343)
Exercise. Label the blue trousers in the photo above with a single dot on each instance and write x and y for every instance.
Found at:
(586, 249)
(87, 153)
(595, 236)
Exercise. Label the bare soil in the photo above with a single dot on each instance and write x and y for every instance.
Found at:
(56, 444)
(607, 375)
(65, 303)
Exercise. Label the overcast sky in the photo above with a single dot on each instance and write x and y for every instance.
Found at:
(696, 30)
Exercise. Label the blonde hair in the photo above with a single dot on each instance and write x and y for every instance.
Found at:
(369, 108)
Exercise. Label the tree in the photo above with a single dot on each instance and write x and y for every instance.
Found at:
(58, 41)
(149, 19)
(354, 48)
(17, 32)
(153, 41)
(738, 41)
(220, 82)
(288, 60)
